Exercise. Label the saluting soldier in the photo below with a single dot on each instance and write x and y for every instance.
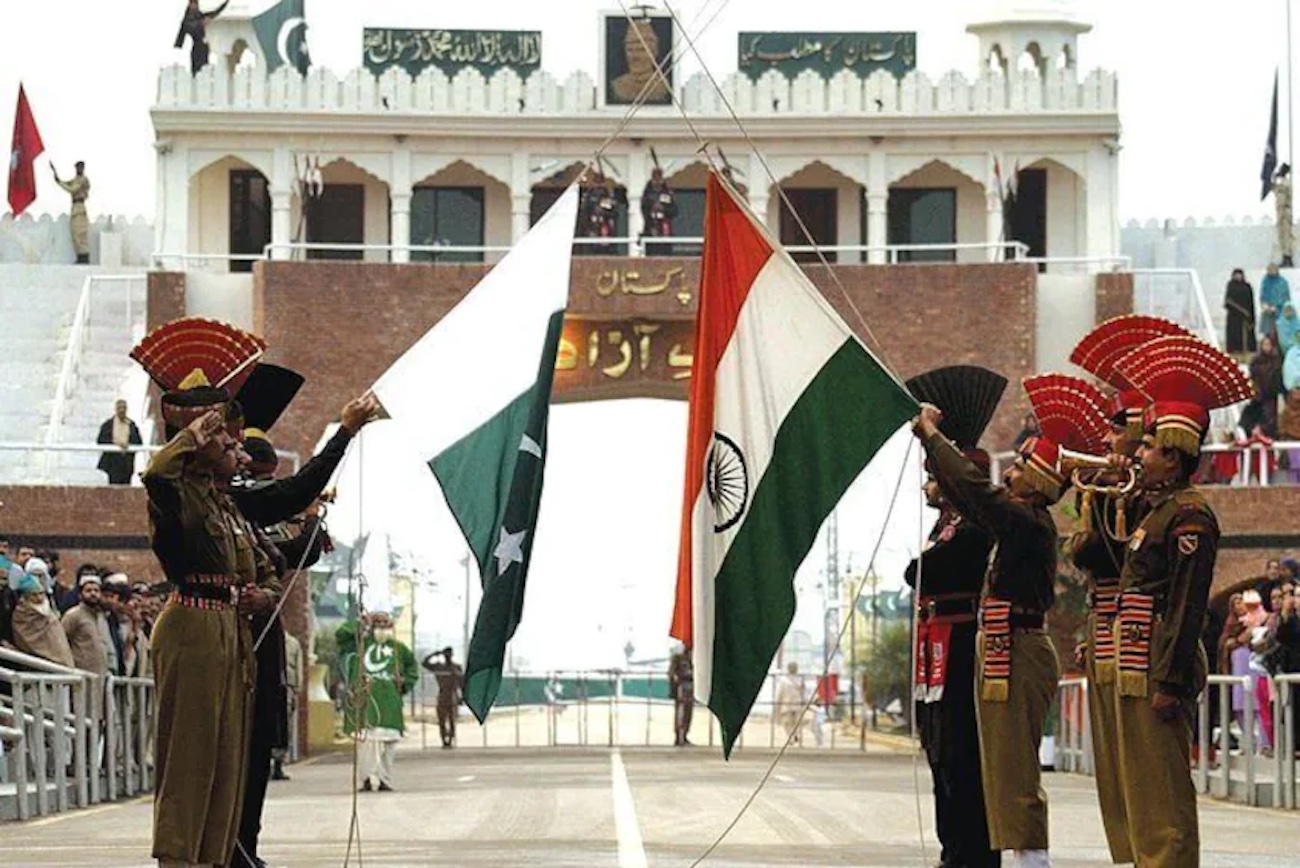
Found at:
(1016, 666)
(1164, 588)
(203, 664)
(950, 575)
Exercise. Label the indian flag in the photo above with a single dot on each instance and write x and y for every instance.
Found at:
(481, 422)
(787, 407)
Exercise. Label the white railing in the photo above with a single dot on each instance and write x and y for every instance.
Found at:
(70, 369)
(1195, 310)
(1074, 727)
(290, 455)
(48, 718)
(636, 247)
(1233, 772)
(1284, 734)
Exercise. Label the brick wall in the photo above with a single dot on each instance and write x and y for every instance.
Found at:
(342, 324)
(1114, 295)
(1255, 524)
(165, 301)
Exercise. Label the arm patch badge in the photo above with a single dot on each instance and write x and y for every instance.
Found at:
(1188, 543)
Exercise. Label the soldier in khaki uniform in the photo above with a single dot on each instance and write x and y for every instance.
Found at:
(79, 188)
(1164, 587)
(204, 667)
(1016, 668)
(1109, 520)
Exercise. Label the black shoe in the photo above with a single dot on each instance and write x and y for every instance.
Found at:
(365, 788)
(384, 788)
(280, 776)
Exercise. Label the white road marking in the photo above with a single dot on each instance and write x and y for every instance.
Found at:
(464, 779)
(785, 779)
(631, 852)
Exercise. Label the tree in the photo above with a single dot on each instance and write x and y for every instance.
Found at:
(888, 666)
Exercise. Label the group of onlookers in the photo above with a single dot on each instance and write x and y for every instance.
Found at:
(95, 619)
(1260, 637)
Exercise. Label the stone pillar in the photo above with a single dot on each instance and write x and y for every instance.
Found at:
(877, 193)
(399, 206)
(399, 213)
(1099, 206)
(521, 196)
(171, 231)
(993, 226)
(877, 226)
(282, 182)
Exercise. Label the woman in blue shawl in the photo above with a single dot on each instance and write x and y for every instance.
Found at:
(1288, 329)
(1291, 369)
(1274, 294)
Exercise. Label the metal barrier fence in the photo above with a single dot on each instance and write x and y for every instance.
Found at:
(623, 709)
(70, 738)
(1228, 760)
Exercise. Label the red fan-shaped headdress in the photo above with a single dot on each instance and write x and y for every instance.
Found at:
(1185, 378)
(1104, 346)
(1071, 415)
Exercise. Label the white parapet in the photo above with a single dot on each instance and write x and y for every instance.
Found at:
(469, 93)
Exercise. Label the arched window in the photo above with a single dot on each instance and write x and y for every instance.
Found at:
(1031, 59)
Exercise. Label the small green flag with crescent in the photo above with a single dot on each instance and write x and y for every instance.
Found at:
(282, 32)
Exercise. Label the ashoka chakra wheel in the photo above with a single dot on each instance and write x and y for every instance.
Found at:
(727, 482)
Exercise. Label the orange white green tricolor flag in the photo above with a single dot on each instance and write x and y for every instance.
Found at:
(787, 407)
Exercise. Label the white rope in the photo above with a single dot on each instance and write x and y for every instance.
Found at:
(922, 539)
(879, 350)
(839, 639)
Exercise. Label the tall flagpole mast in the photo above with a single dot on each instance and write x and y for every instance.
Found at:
(1290, 102)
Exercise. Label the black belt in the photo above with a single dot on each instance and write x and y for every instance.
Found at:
(220, 593)
(942, 608)
(1026, 620)
(1022, 619)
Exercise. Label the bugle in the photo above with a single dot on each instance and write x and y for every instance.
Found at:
(1095, 473)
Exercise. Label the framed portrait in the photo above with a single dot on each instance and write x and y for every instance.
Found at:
(630, 51)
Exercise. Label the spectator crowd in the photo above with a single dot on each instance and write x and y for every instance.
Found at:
(95, 618)
(1270, 344)
(1254, 633)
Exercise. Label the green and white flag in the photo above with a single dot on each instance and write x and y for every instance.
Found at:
(282, 32)
(480, 423)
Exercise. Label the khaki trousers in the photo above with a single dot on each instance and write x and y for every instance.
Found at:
(1010, 733)
(204, 674)
(1102, 713)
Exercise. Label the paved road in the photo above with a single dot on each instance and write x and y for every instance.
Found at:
(634, 809)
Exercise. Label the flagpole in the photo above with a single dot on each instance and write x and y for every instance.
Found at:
(1290, 102)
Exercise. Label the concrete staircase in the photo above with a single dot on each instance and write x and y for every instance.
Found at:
(38, 305)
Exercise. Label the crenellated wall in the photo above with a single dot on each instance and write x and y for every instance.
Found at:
(47, 240)
(469, 93)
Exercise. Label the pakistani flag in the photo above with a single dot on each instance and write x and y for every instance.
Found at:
(282, 31)
(787, 407)
(480, 422)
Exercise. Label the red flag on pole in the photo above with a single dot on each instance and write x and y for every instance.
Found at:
(27, 146)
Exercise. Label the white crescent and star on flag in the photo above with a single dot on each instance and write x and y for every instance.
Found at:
(282, 40)
(510, 549)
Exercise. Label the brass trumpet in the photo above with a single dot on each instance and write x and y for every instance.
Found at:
(1089, 473)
